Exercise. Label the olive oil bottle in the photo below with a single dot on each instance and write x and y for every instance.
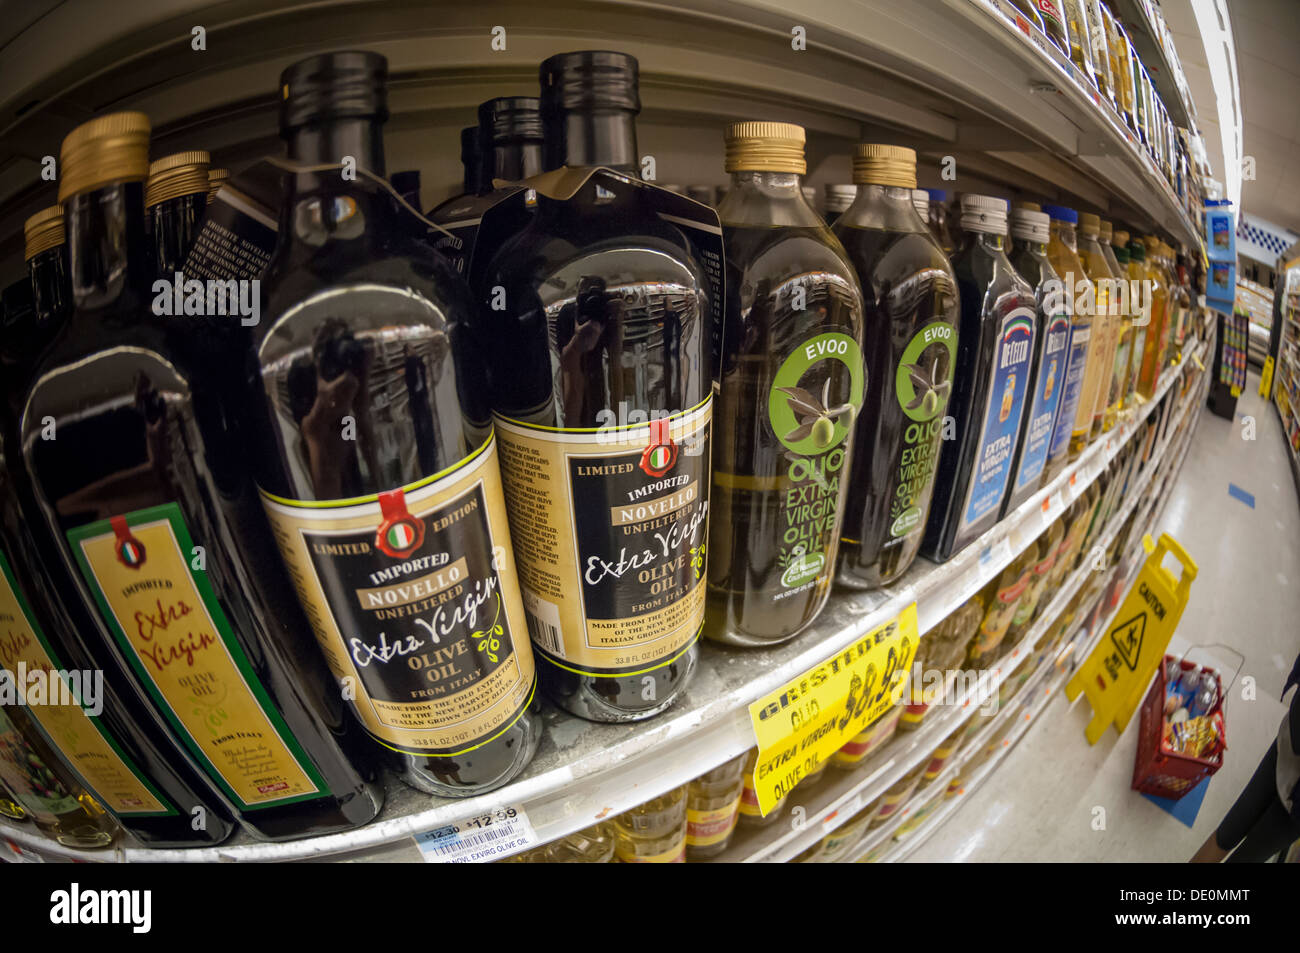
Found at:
(992, 378)
(389, 514)
(910, 343)
(474, 179)
(599, 315)
(1030, 231)
(1063, 253)
(1105, 323)
(176, 200)
(1123, 329)
(145, 493)
(1001, 599)
(790, 386)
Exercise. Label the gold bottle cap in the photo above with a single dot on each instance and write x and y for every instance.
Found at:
(43, 231)
(877, 164)
(1119, 239)
(1104, 233)
(182, 173)
(112, 148)
(1089, 224)
(765, 147)
(216, 179)
(1027, 206)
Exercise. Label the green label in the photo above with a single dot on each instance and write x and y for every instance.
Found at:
(922, 384)
(812, 406)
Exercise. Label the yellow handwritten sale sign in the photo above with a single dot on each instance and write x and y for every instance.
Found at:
(801, 724)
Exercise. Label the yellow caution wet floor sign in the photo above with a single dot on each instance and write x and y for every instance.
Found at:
(1116, 674)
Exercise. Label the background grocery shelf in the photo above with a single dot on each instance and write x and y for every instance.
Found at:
(1154, 50)
(951, 77)
(586, 772)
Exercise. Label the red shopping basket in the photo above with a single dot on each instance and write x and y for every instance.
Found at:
(1157, 770)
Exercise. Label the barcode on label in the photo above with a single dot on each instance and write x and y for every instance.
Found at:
(543, 620)
(460, 844)
(486, 837)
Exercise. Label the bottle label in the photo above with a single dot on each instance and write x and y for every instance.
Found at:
(673, 855)
(705, 828)
(1013, 359)
(922, 384)
(34, 784)
(1047, 398)
(412, 596)
(166, 619)
(814, 428)
(1074, 371)
(103, 768)
(749, 798)
(610, 525)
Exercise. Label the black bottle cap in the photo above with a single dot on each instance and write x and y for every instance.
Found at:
(589, 80)
(348, 84)
(508, 118)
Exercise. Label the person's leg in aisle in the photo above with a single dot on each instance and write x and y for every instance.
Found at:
(1251, 806)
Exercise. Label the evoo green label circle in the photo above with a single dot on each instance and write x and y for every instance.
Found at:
(923, 381)
(808, 406)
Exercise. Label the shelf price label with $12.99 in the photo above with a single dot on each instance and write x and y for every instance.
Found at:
(801, 724)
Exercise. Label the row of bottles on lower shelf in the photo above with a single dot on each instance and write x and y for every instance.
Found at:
(573, 476)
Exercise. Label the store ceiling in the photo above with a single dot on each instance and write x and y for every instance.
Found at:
(1267, 35)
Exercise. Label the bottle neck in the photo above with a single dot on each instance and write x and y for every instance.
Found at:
(885, 207)
(360, 139)
(51, 298)
(585, 139)
(106, 245)
(514, 160)
(767, 198)
(1064, 233)
(993, 242)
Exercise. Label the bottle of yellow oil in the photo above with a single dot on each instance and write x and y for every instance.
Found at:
(1124, 328)
(1105, 322)
(1063, 253)
(1147, 361)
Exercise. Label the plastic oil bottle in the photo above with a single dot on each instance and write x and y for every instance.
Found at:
(1105, 323)
(1124, 328)
(1146, 361)
(992, 377)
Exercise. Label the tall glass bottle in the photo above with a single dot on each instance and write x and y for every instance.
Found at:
(510, 130)
(1076, 23)
(1120, 70)
(176, 200)
(602, 390)
(1147, 362)
(1031, 231)
(1061, 252)
(46, 789)
(1106, 321)
(120, 756)
(938, 220)
(389, 512)
(1124, 341)
(910, 347)
(146, 497)
(991, 381)
(1144, 311)
(790, 385)
(837, 198)
(474, 180)
(1099, 49)
(1054, 24)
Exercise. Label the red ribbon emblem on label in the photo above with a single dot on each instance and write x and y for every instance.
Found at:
(399, 532)
(660, 453)
(130, 551)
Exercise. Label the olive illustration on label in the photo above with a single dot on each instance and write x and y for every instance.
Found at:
(930, 387)
(811, 425)
(816, 420)
(923, 382)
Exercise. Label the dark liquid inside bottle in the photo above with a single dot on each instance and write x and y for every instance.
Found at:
(907, 288)
(992, 377)
(364, 380)
(145, 447)
(773, 540)
(174, 225)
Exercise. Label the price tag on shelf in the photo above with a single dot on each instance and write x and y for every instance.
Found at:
(481, 838)
(1075, 488)
(995, 553)
(802, 723)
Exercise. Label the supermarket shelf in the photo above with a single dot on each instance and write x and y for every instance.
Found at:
(1161, 63)
(586, 772)
(833, 804)
(954, 77)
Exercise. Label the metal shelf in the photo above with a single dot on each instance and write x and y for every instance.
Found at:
(952, 77)
(586, 772)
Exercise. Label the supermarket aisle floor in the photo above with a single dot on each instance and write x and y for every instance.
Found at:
(1042, 801)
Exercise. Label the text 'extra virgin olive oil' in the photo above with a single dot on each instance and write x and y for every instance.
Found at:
(1065, 262)
(138, 471)
(790, 386)
(909, 345)
(390, 518)
(175, 200)
(1030, 231)
(994, 373)
(120, 756)
(598, 318)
